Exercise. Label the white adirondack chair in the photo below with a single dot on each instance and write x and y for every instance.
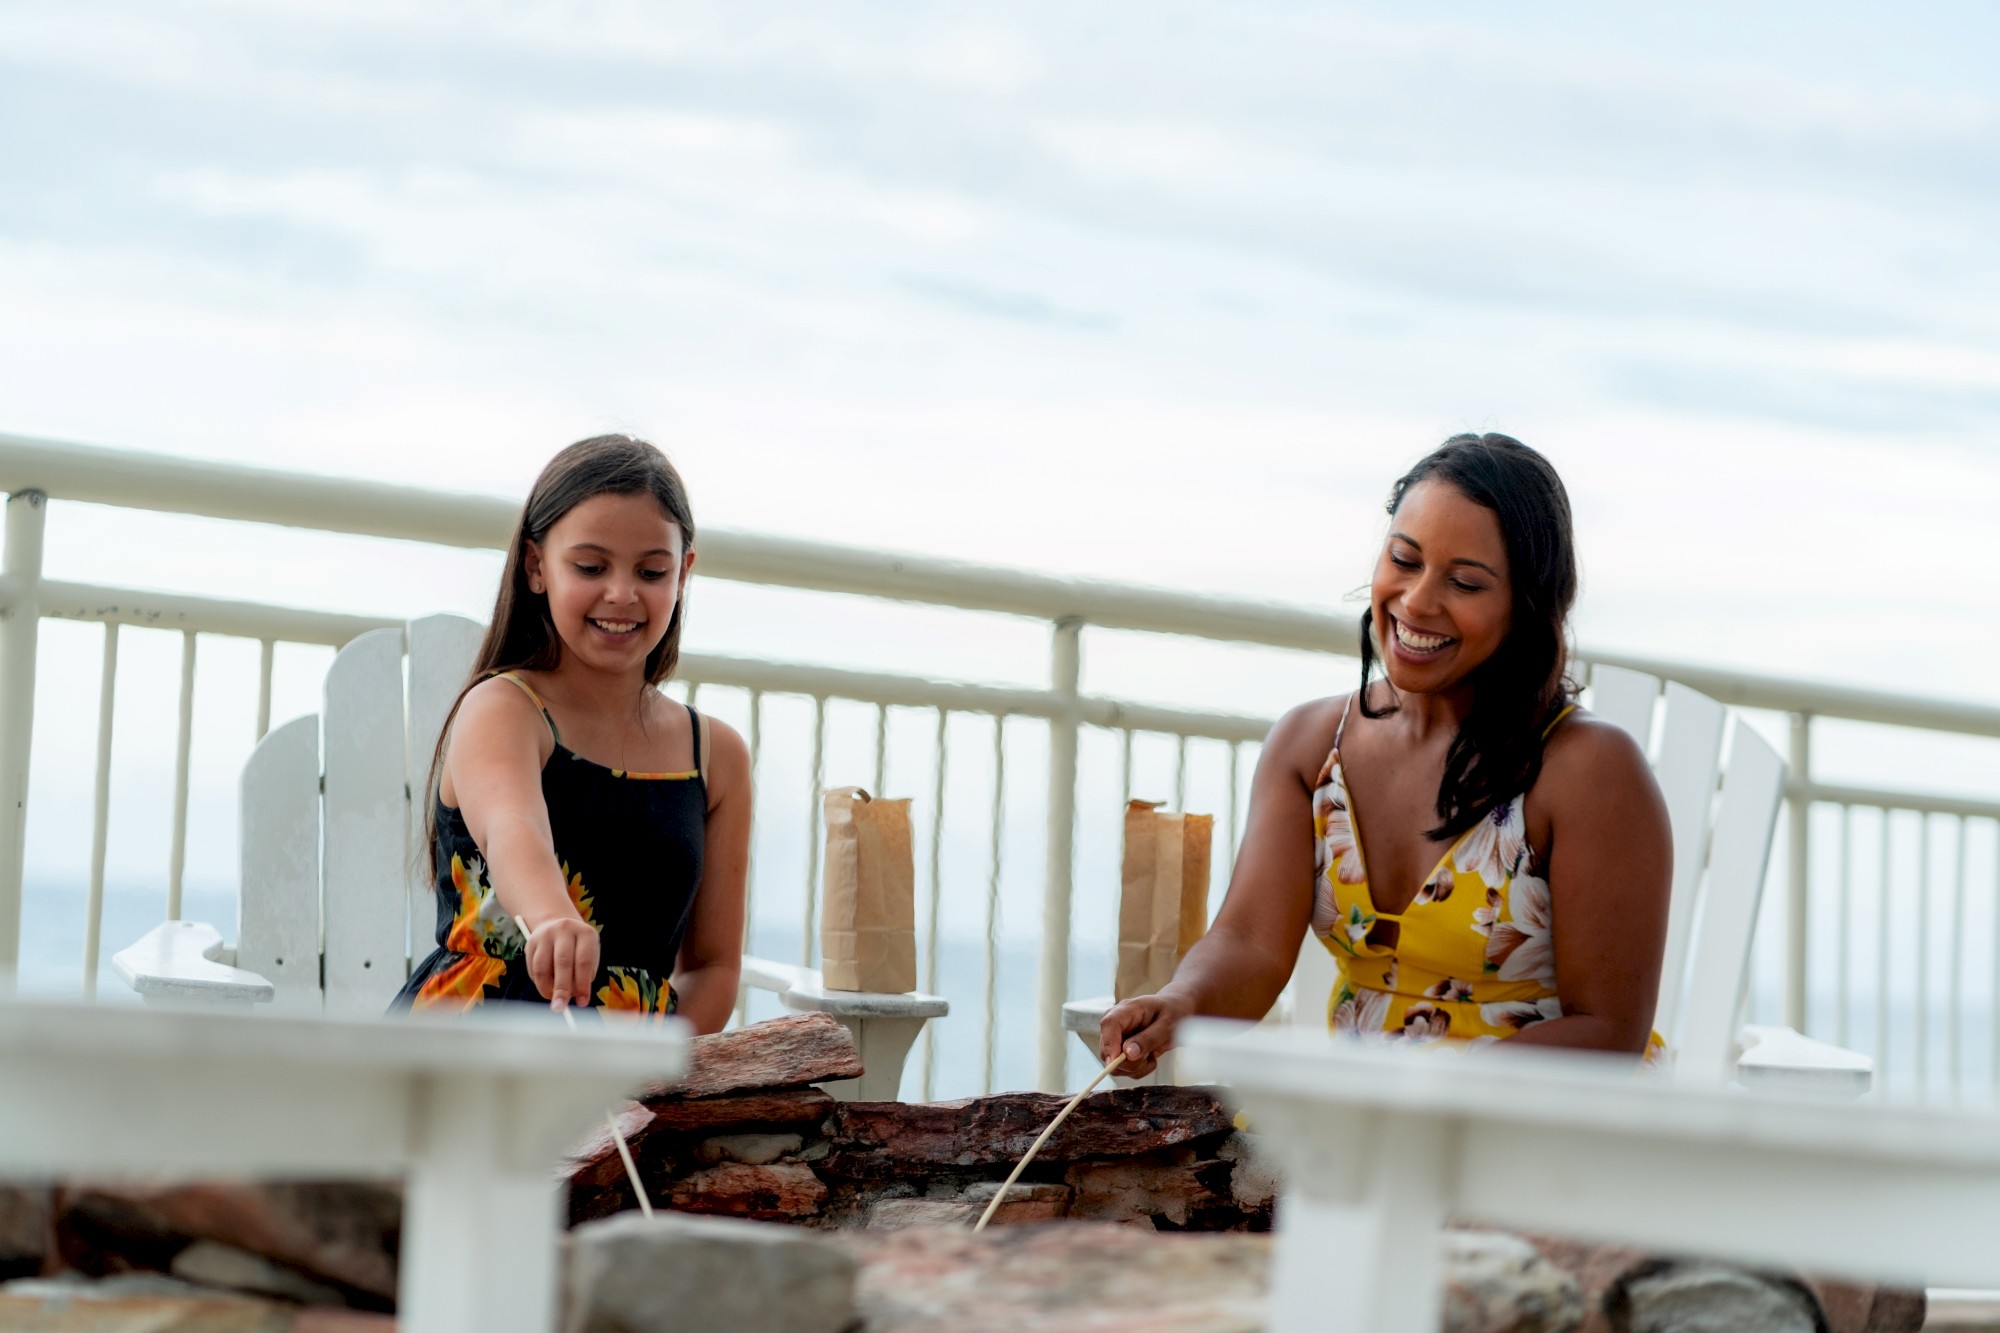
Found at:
(335, 909)
(1722, 826)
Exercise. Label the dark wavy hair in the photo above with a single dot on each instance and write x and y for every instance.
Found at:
(521, 636)
(1517, 692)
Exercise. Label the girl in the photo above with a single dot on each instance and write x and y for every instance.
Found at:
(1513, 881)
(589, 836)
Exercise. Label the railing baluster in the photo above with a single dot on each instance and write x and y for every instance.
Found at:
(1125, 753)
(881, 749)
(1235, 798)
(1993, 1055)
(20, 628)
(1954, 1010)
(750, 858)
(1841, 924)
(100, 815)
(1882, 965)
(1923, 955)
(177, 858)
(693, 692)
(266, 659)
(937, 901)
(1065, 673)
(1180, 775)
(993, 896)
(1797, 874)
(808, 944)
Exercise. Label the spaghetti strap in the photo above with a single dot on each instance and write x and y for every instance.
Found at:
(1556, 721)
(1341, 730)
(700, 730)
(529, 690)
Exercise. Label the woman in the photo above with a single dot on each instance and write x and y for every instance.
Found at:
(1512, 879)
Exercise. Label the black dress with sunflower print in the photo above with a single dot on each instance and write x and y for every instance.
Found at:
(630, 847)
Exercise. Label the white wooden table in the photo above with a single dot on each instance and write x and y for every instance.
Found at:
(472, 1112)
(1378, 1146)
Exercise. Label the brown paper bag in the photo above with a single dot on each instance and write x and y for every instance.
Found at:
(1163, 907)
(868, 907)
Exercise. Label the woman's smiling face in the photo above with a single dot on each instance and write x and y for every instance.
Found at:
(1441, 596)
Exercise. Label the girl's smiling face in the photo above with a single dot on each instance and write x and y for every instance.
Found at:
(613, 569)
(1441, 595)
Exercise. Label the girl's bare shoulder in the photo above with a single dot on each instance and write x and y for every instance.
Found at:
(1587, 753)
(1304, 735)
(498, 708)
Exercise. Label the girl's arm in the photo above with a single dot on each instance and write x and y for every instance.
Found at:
(1610, 872)
(1237, 969)
(493, 774)
(711, 959)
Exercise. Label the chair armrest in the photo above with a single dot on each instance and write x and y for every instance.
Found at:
(1084, 1017)
(765, 974)
(1779, 1057)
(178, 962)
(808, 994)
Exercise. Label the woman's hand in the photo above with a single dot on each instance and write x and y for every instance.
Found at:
(562, 960)
(1142, 1028)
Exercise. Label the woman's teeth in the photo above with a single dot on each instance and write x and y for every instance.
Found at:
(616, 626)
(1419, 643)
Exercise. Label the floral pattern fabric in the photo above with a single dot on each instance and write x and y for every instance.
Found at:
(630, 849)
(1473, 958)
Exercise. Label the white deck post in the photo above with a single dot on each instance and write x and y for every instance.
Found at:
(481, 1216)
(1066, 670)
(20, 629)
(1369, 1193)
(1798, 809)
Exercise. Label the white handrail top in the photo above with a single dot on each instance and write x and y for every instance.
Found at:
(505, 1038)
(1576, 1090)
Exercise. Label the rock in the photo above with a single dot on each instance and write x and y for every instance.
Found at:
(1709, 1298)
(1177, 1191)
(1066, 1275)
(794, 1106)
(212, 1264)
(632, 1274)
(135, 1303)
(884, 1140)
(1857, 1307)
(1024, 1203)
(1253, 1183)
(344, 1233)
(27, 1226)
(750, 1149)
(788, 1052)
(780, 1192)
(1498, 1283)
(595, 1163)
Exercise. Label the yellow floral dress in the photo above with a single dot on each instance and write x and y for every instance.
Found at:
(1473, 960)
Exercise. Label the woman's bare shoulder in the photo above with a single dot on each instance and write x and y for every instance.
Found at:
(1586, 752)
(1305, 733)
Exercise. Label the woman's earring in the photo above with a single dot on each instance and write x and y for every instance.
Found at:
(534, 585)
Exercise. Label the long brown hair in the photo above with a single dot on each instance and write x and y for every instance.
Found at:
(1497, 753)
(521, 635)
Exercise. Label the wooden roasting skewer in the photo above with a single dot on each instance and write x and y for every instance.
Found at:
(1022, 1165)
(618, 1137)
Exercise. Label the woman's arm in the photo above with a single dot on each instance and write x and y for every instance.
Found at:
(1237, 969)
(711, 959)
(1610, 872)
(493, 770)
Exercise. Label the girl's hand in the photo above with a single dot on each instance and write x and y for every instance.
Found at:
(1142, 1028)
(562, 960)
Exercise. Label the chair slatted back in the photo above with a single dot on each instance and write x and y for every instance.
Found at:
(277, 914)
(1719, 973)
(363, 900)
(334, 905)
(1688, 768)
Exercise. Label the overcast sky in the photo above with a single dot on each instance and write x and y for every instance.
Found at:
(1157, 292)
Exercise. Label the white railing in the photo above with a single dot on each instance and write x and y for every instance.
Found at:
(32, 472)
